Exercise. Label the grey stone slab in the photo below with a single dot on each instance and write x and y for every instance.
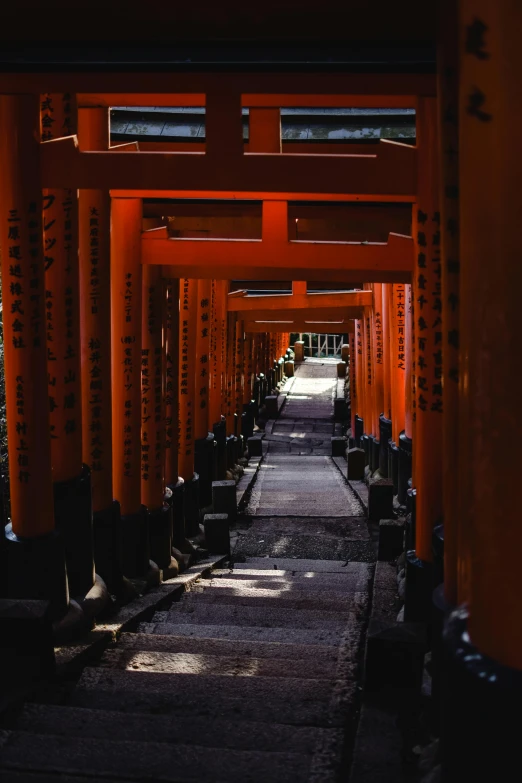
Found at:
(303, 564)
(304, 546)
(268, 699)
(293, 589)
(26, 776)
(135, 760)
(352, 528)
(227, 647)
(321, 637)
(222, 733)
(269, 599)
(248, 615)
(199, 663)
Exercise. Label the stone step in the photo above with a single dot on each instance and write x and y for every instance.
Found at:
(353, 579)
(295, 564)
(149, 642)
(243, 633)
(199, 663)
(25, 776)
(270, 599)
(293, 701)
(304, 546)
(138, 761)
(177, 728)
(269, 618)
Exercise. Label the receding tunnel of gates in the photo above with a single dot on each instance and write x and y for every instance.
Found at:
(312, 221)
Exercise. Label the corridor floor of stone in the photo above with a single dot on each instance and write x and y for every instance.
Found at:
(254, 675)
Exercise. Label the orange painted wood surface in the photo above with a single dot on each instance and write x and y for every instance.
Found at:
(203, 363)
(126, 316)
(239, 301)
(25, 349)
(186, 375)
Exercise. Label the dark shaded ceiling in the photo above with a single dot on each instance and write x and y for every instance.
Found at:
(369, 35)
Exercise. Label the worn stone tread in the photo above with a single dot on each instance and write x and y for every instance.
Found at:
(267, 699)
(151, 761)
(199, 663)
(247, 615)
(245, 633)
(298, 564)
(270, 599)
(170, 643)
(184, 729)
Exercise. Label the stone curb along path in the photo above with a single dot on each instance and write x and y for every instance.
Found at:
(254, 675)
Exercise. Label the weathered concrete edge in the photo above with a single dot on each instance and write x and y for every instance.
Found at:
(142, 609)
(359, 488)
(246, 481)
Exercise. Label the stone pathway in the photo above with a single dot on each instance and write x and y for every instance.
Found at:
(254, 674)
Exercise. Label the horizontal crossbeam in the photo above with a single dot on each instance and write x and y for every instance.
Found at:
(388, 173)
(316, 327)
(280, 260)
(239, 302)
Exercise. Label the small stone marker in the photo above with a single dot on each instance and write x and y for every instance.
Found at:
(255, 448)
(391, 538)
(341, 369)
(271, 406)
(289, 369)
(338, 446)
(395, 655)
(380, 499)
(356, 462)
(217, 534)
(224, 498)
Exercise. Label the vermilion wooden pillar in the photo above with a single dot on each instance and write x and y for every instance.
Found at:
(429, 335)
(159, 513)
(95, 331)
(398, 359)
(239, 367)
(353, 381)
(386, 288)
(214, 386)
(359, 375)
(378, 359)
(35, 563)
(126, 316)
(485, 648)
(448, 127)
(171, 343)
(204, 440)
(187, 385)
(72, 483)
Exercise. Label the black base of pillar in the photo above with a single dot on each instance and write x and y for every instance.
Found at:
(248, 420)
(437, 547)
(481, 699)
(160, 535)
(220, 435)
(135, 544)
(385, 433)
(177, 501)
(107, 546)
(73, 518)
(203, 465)
(393, 465)
(419, 588)
(192, 507)
(231, 451)
(359, 429)
(376, 449)
(440, 610)
(34, 568)
(404, 467)
(411, 497)
(365, 445)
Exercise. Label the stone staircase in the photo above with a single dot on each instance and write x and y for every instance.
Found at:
(252, 676)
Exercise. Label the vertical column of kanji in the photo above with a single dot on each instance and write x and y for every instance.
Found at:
(248, 367)
(229, 372)
(448, 126)
(428, 335)
(398, 367)
(218, 420)
(187, 366)
(378, 367)
(204, 440)
(159, 513)
(126, 316)
(406, 435)
(353, 380)
(95, 333)
(214, 389)
(35, 562)
(239, 367)
(171, 350)
(486, 656)
(359, 380)
(72, 488)
(368, 392)
(385, 423)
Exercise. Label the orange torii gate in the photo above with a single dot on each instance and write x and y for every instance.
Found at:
(224, 169)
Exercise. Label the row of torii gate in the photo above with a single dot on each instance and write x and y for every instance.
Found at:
(97, 378)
